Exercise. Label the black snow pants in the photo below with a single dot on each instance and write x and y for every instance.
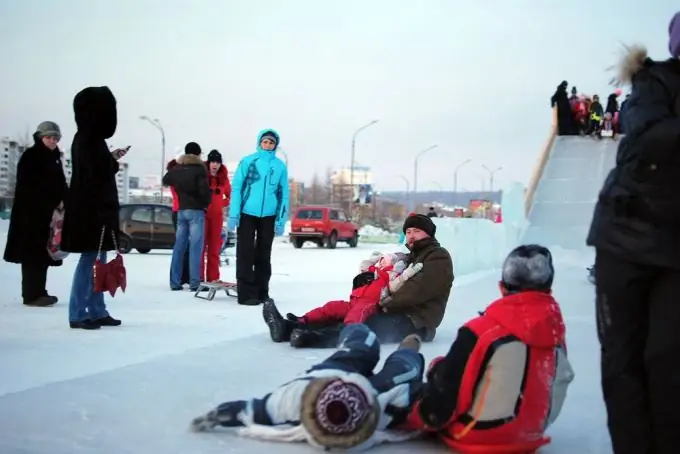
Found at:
(638, 323)
(253, 257)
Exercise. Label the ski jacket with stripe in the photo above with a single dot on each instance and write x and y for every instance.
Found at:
(505, 378)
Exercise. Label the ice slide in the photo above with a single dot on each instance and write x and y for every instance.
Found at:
(567, 189)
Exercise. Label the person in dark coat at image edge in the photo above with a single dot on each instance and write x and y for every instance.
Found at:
(636, 234)
(92, 203)
(565, 118)
(40, 188)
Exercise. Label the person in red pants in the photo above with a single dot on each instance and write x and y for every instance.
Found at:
(212, 244)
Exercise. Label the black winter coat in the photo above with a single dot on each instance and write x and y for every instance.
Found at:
(565, 117)
(189, 178)
(92, 201)
(637, 216)
(40, 187)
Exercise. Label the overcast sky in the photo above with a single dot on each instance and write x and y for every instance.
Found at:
(475, 78)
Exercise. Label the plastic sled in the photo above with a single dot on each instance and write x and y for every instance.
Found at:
(516, 448)
(211, 288)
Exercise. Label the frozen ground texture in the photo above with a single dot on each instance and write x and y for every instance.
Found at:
(133, 389)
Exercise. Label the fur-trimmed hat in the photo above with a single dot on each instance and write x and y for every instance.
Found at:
(528, 267)
(338, 413)
(422, 222)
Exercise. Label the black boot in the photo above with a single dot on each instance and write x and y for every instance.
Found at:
(108, 321)
(228, 414)
(307, 337)
(279, 327)
(85, 324)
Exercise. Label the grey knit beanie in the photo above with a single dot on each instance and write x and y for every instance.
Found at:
(48, 129)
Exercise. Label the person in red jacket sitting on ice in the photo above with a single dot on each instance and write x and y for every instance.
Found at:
(214, 218)
(380, 277)
(505, 378)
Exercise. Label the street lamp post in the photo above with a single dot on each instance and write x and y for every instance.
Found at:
(455, 175)
(408, 189)
(491, 175)
(157, 124)
(351, 166)
(415, 172)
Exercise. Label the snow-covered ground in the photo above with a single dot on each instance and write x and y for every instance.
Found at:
(133, 389)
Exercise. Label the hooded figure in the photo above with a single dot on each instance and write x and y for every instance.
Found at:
(565, 119)
(91, 222)
(40, 188)
(259, 209)
(636, 235)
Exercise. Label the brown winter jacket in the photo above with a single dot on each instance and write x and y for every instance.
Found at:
(423, 298)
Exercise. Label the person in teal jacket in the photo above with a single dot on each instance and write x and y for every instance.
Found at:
(258, 211)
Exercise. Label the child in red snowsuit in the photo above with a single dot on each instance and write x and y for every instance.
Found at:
(369, 288)
(214, 217)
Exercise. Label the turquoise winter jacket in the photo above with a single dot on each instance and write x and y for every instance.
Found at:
(260, 185)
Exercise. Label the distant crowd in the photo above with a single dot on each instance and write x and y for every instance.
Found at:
(580, 114)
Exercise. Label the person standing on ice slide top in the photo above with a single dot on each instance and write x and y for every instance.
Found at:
(259, 210)
(636, 235)
(220, 188)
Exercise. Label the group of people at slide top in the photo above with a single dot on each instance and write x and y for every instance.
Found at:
(255, 204)
(580, 114)
(500, 385)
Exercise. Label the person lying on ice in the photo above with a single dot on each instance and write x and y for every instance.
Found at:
(505, 378)
(381, 276)
(337, 404)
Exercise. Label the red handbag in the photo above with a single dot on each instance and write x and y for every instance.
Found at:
(108, 277)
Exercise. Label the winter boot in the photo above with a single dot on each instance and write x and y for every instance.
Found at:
(42, 301)
(108, 321)
(228, 414)
(305, 337)
(279, 328)
(411, 342)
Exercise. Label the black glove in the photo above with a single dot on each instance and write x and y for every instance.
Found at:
(435, 409)
(217, 191)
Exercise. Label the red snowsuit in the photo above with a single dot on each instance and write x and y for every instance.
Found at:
(363, 302)
(212, 239)
(504, 379)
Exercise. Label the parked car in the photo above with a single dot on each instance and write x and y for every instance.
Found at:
(146, 226)
(323, 225)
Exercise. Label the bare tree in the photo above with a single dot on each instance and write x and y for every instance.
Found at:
(313, 193)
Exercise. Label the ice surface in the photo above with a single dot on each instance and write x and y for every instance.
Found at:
(567, 192)
(134, 389)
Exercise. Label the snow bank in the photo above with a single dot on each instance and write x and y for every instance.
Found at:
(373, 234)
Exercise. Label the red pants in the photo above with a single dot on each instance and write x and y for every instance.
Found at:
(356, 311)
(212, 243)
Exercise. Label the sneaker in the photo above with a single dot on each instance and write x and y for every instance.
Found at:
(108, 321)
(85, 324)
(411, 342)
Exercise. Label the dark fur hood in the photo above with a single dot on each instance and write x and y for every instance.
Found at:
(190, 159)
(95, 112)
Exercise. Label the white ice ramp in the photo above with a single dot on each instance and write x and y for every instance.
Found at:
(567, 191)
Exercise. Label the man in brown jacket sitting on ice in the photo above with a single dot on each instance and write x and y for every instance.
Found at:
(418, 307)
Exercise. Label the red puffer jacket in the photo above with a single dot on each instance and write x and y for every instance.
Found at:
(221, 191)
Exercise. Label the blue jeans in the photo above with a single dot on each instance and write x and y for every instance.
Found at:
(189, 233)
(84, 303)
(359, 352)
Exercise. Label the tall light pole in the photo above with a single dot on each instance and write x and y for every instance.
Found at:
(351, 166)
(157, 124)
(455, 175)
(491, 175)
(408, 189)
(415, 172)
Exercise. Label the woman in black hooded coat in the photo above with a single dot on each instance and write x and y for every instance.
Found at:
(40, 188)
(92, 203)
(636, 234)
(565, 117)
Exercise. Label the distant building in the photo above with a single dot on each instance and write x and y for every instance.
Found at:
(134, 182)
(10, 152)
